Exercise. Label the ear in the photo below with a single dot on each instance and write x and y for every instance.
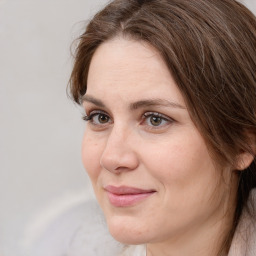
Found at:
(243, 161)
(245, 158)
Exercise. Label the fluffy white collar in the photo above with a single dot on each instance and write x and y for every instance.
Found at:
(244, 241)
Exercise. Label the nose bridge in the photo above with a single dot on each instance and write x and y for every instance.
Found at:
(119, 153)
(120, 134)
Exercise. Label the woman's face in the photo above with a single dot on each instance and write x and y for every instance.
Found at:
(148, 164)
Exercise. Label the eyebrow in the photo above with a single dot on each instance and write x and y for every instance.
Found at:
(93, 100)
(137, 104)
(155, 102)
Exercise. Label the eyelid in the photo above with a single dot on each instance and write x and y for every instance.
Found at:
(166, 121)
(94, 112)
(152, 113)
(94, 123)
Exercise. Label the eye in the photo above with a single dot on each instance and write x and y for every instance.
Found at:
(156, 120)
(100, 118)
(97, 118)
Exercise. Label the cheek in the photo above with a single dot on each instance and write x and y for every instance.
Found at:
(181, 165)
(177, 158)
(91, 152)
(186, 179)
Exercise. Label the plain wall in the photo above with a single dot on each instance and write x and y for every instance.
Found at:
(40, 128)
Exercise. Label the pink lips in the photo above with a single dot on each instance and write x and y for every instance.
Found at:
(126, 196)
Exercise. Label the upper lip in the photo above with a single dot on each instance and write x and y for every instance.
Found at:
(124, 190)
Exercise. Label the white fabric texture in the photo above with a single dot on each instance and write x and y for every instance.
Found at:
(244, 241)
(138, 250)
(78, 230)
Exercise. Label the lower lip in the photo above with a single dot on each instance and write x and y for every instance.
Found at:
(127, 200)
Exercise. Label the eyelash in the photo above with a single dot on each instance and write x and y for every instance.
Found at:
(92, 114)
(163, 118)
(146, 116)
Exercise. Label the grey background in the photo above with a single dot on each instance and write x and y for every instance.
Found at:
(40, 128)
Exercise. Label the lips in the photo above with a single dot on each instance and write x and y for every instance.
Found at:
(127, 196)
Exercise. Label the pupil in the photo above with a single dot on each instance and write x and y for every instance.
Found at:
(103, 119)
(156, 120)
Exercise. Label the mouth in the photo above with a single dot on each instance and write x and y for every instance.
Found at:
(126, 196)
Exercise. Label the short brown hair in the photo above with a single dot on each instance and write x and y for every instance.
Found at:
(209, 47)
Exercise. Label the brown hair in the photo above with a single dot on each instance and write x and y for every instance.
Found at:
(209, 47)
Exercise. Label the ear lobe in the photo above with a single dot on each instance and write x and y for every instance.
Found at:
(243, 161)
(246, 157)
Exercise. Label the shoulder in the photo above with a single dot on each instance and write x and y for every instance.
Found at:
(134, 250)
(73, 226)
(244, 241)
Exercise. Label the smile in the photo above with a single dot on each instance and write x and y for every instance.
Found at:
(126, 196)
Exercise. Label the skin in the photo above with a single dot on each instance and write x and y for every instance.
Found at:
(191, 210)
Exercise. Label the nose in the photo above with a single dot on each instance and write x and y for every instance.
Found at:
(119, 154)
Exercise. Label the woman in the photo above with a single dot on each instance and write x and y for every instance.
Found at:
(169, 92)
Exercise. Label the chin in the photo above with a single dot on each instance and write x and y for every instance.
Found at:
(127, 232)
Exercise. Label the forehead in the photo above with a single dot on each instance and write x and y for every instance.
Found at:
(130, 67)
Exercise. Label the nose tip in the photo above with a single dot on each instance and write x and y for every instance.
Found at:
(118, 156)
(118, 163)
